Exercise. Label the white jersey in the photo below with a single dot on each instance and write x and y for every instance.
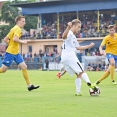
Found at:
(69, 47)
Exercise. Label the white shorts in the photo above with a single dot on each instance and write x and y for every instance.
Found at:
(73, 66)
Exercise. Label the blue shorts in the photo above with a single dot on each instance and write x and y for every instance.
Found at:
(9, 58)
(112, 56)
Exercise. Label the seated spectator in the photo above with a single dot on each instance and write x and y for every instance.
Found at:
(88, 67)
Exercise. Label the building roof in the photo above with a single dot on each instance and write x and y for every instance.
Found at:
(56, 2)
(62, 6)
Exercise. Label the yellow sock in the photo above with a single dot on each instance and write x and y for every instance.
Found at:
(105, 75)
(1, 70)
(112, 71)
(25, 74)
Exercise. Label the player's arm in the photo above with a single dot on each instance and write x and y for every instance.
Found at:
(101, 50)
(16, 39)
(85, 47)
(57, 56)
(6, 40)
(64, 36)
(101, 47)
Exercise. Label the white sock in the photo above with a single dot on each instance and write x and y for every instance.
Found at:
(85, 78)
(62, 69)
(62, 73)
(78, 85)
(29, 85)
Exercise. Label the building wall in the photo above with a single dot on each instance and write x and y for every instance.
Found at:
(41, 44)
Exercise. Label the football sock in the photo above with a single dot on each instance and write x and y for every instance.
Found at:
(97, 82)
(85, 77)
(62, 69)
(62, 73)
(78, 84)
(112, 71)
(1, 70)
(29, 85)
(105, 75)
(26, 77)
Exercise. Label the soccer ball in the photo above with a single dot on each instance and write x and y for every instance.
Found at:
(93, 93)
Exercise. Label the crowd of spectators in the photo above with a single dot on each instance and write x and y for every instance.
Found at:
(88, 28)
(96, 66)
(92, 53)
(39, 57)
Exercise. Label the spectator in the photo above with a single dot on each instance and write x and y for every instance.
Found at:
(47, 64)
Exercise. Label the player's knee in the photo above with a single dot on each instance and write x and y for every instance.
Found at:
(112, 64)
(4, 70)
(24, 67)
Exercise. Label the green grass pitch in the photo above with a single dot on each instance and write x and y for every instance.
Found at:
(55, 97)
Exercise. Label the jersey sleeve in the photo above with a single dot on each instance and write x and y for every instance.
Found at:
(103, 42)
(17, 33)
(9, 35)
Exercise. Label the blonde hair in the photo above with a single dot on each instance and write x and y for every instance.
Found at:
(18, 18)
(111, 26)
(76, 21)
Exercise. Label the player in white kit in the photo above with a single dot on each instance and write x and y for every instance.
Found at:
(69, 59)
(64, 36)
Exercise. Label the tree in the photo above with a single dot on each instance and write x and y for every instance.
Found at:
(31, 22)
(8, 14)
(4, 29)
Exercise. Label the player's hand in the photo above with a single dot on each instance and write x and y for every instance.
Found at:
(92, 44)
(69, 24)
(24, 41)
(81, 51)
(102, 52)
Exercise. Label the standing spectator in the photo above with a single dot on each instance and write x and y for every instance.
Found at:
(47, 64)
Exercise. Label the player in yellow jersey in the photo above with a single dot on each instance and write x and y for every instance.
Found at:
(12, 51)
(111, 53)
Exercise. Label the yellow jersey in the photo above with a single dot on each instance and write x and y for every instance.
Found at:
(13, 47)
(111, 44)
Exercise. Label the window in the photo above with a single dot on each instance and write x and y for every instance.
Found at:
(29, 48)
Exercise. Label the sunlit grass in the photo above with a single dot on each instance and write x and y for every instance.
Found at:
(55, 97)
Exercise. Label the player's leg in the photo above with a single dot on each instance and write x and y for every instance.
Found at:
(8, 58)
(84, 76)
(62, 72)
(111, 59)
(109, 71)
(3, 68)
(77, 80)
(104, 76)
(19, 60)
(112, 69)
(78, 87)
